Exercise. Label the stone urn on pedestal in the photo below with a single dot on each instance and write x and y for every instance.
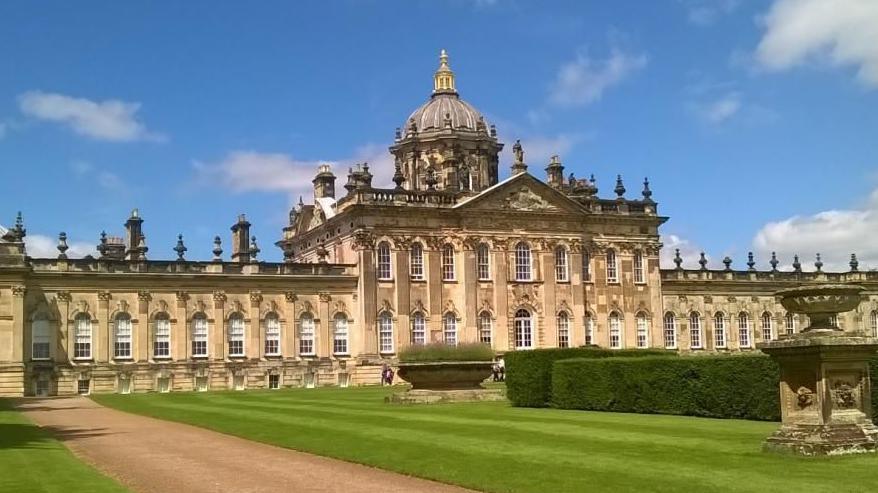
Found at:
(825, 392)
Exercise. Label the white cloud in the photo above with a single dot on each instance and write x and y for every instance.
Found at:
(584, 80)
(689, 252)
(835, 234)
(107, 180)
(110, 120)
(42, 246)
(720, 110)
(706, 12)
(844, 32)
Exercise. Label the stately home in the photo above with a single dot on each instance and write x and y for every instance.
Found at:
(451, 254)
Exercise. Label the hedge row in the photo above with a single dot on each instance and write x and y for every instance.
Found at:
(744, 387)
(529, 373)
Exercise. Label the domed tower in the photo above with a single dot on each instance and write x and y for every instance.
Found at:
(446, 144)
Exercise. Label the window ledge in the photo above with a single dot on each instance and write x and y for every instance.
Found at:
(421, 280)
(199, 356)
(41, 359)
(123, 358)
(274, 356)
(237, 356)
(387, 280)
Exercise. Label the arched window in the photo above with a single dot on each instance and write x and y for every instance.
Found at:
(523, 265)
(642, 330)
(767, 329)
(639, 276)
(385, 333)
(340, 334)
(82, 337)
(161, 343)
(272, 334)
(199, 335)
(873, 323)
(236, 335)
(719, 330)
(416, 262)
(384, 270)
(612, 266)
(586, 266)
(589, 329)
(449, 329)
(670, 331)
(563, 322)
(744, 330)
(419, 328)
(483, 262)
(306, 335)
(790, 321)
(486, 328)
(695, 331)
(523, 327)
(561, 265)
(40, 333)
(615, 325)
(447, 262)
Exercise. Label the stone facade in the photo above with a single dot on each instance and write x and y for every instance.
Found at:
(451, 253)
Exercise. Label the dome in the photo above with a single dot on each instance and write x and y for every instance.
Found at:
(433, 114)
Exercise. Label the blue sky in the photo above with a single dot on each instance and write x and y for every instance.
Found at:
(755, 121)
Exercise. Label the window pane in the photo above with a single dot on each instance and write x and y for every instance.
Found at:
(695, 331)
(523, 266)
(384, 271)
(447, 263)
(272, 335)
(642, 331)
(612, 269)
(719, 330)
(563, 321)
(199, 335)
(523, 325)
(340, 335)
(416, 262)
(306, 335)
(670, 324)
(449, 329)
(419, 331)
(483, 262)
(485, 328)
(638, 267)
(385, 333)
(615, 331)
(561, 270)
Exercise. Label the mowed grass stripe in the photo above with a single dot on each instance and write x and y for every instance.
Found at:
(494, 447)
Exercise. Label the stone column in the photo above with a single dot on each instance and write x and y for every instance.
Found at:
(364, 243)
(433, 260)
(144, 328)
(65, 330)
(255, 337)
(18, 317)
(548, 337)
(402, 283)
(502, 326)
(182, 336)
(577, 322)
(217, 332)
(289, 338)
(470, 280)
(104, 339)
(324, 332)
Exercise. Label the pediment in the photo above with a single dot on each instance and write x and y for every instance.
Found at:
(521, 193)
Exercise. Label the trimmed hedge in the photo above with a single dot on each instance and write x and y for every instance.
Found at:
(529, 373)
(439, 351)
(743, 387)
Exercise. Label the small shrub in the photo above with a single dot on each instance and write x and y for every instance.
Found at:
(743, 387)
(443, 352)
(529, 373)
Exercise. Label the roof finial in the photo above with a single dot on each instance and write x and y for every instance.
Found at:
(180, 248)
(773, 262)
(443, 79)
(62, 245)
(854, 263)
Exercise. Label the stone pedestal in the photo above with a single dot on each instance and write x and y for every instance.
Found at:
(422, 396)
(825, 391)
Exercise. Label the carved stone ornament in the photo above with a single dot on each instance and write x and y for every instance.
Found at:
(386, 306)
(844, 395)
(237, 306)
(364, 240)
(804, 397)
(290, 297)
(82, 306)
(449, 307)
(324, 297)
(255, 297)
(402, 242)
(63, 296)
(524, 199)
(162, 306)
(144, 295)
(486, 306)
(200, 306)
(575, 246)
(104, 296)
(122, 306)
(419, 307)
(305, 307)
(563, 307)
(182, 296)
(340, 307)
(472, 242)
(219, 296)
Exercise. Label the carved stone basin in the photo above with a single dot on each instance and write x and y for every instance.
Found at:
(821, 302)
(446, 375)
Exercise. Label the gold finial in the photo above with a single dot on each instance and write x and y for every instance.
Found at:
(443, 79)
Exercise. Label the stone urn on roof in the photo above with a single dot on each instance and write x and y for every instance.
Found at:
(825, 390)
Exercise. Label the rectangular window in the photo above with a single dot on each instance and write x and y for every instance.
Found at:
(384, 270)
(744, 330)
(485, 329)
(124, 384)
(638, 268)
(695, 331)
(344, 380)
(272, 336)
(83, 387)
(586, 267)
(238, 382)
(791, 323)
(563, 322)
(719, 331)
(199, 337)
(306, 336)
(274, 382)
(340, 335)
(416, 262)
(523, 267)
(483, 262)
(612, 267)
(385, 334)
(82, 340)
(670, 326)
(40, 331)
(162, 343)
(42, 387)
(767, 332)
(447, 263)
(419, 330)
(642, 332)
(589, 330)
(561, 267)
(236, 336)
(615, 332)
(873, 323)
(122, 344)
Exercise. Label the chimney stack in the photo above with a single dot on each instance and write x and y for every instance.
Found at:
(133, 235)
(241, 240)
(324, 183)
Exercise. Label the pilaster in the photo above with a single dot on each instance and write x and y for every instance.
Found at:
(104, 336)
(217, 337)
(143, 328)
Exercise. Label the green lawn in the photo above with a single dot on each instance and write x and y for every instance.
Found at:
(32, 461)
(495, 447)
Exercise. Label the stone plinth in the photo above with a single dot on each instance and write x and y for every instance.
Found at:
(423, 396)
(825, 391)
(445, 381)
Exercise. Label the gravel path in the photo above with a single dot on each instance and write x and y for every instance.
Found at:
(151, 455)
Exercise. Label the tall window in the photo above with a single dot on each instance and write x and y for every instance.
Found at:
(385, 333)
(523, 265)
(272, 335)
(790, 321)
(589, 329)
(833, 320)
(561, 265)
(695, 330)
(615, 324)
(199, 335)
(873, 323)
(82, 337)
(767, 332)
(719, 330)
(483, 262)
(638, 267)
(586, 267)
(419, 329)
(447, 262)
(340, 334)
(416, 262)
(612, 266)
(486, 328)
(161, 344)
(236, 334)
(523, 327)
(670, 331)
(744, 330)
(384, 271)
(642, 330)
(563, 322)
(306, 334)
(449, 329)
(40, 330)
